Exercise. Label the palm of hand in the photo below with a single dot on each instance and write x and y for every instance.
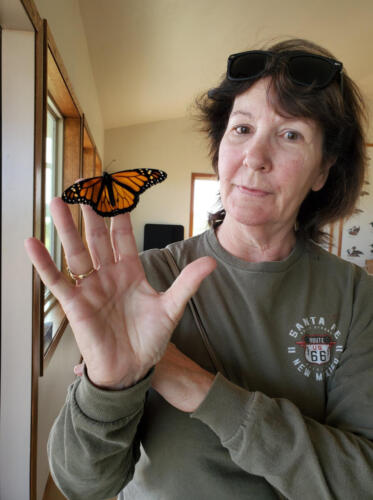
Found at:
(122, 324)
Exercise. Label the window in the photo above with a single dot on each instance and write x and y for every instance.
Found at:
(59, 151)
(61, 167)
(53, 187)
(53, 177)
(204, 198)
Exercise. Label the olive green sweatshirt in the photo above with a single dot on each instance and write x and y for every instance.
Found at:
(290, 414)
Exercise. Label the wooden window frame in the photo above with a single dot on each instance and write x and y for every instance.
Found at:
(91, 162)
(53, 82)
(78, 150)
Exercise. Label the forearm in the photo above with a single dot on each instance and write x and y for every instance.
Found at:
(298, 456)
(93, 446)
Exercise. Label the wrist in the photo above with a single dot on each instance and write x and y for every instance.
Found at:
(127, 381)
(202, 387)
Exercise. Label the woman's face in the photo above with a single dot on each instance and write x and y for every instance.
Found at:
(267, 163)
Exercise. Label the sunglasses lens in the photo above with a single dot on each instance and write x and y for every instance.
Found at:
(246, 66)
(311, 70)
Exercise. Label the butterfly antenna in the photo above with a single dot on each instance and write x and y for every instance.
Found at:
(108, 165)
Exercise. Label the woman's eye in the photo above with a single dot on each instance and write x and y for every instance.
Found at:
(291, 135)
(241, 129)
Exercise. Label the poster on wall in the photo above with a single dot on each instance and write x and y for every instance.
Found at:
(356, 233)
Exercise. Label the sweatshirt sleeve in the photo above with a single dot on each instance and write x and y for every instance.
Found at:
(299, 456)
(94, 445)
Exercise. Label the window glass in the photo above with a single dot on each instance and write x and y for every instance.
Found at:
(53, 185)
(205, 195)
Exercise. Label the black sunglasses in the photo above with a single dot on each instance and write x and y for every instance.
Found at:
(304, 68)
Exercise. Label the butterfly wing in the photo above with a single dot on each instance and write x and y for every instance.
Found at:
(127, 186)
(113, 194)
(87, 191)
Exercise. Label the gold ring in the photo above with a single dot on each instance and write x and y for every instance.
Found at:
(77, 277)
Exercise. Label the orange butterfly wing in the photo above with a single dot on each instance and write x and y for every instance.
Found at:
(113, 194)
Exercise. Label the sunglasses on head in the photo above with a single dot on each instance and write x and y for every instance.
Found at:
(305, 69)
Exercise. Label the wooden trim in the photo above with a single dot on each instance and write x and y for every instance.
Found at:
(57, 337)
(62, 69)
(98, 164)
(57, 87)
(72, 149)
(49, 487)
(33, 14)
(51, 492)
(38, 232)
(88, 162)
(81, 157)
(191, 211)
(87, 133)
(88, 151)
(59, 91)
(72, 158)
(88, 165)
(87, 143)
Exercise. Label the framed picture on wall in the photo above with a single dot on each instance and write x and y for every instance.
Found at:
(355, 236)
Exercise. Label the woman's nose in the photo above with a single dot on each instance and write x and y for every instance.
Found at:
(257, 154)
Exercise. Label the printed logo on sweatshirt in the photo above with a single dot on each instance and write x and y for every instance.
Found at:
(314, 348)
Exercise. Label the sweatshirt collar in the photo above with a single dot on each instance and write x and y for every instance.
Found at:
(272, 266)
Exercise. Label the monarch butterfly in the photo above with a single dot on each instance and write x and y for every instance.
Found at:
(113, 194)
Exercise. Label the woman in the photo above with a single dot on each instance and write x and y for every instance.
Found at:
(289, 326)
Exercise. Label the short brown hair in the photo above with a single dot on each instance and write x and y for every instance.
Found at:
(341, 117)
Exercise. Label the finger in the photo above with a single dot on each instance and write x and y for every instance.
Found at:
(47, 270)
(79, 369)
(98, 237)
(186, 285)
(122, 237)
(77, 256)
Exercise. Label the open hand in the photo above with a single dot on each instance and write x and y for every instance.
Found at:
(121, 324)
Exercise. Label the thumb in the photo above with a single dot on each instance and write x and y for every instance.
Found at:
(79, 369)
(186, 285)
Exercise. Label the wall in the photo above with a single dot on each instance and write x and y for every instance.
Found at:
(16, 312)
(52, 394)
(171, 145)
(66, 24)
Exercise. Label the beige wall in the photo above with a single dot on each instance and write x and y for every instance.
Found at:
(17, 115)
(171, 145)
(52, 395)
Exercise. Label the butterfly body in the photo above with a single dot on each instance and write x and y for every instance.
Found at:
(113, 194)
(107, 184)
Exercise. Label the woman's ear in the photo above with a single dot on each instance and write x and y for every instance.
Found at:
(323, 174)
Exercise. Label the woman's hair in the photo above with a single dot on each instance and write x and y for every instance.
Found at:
(341, 116)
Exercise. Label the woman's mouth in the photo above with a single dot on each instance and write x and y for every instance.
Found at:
(253, 191)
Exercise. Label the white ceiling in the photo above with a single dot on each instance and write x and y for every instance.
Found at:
(150, 58)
